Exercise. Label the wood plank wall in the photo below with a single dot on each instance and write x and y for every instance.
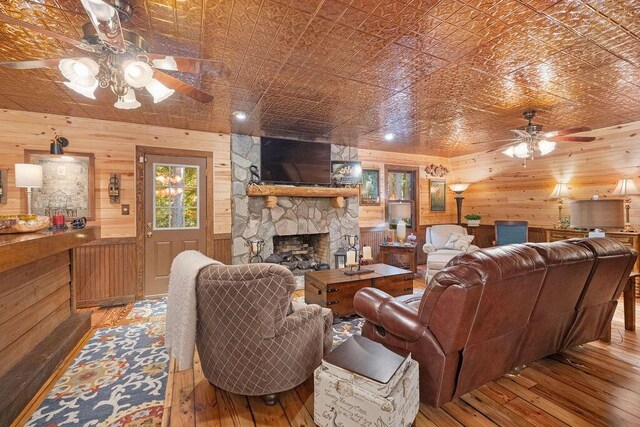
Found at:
(503, 189)
(113, 144)
(34, 300)
(104, 272)
(374, 216)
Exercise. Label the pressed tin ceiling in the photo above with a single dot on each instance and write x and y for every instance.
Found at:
(440, 75)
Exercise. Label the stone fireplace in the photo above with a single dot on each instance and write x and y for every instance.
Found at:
(291, 216)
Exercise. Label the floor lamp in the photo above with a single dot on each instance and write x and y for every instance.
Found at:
(626, 187)
(28, 176)
(458, 189)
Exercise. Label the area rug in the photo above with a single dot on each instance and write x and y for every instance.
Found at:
(148, 308)
(119, 378)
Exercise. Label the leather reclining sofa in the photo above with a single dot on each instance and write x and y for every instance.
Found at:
(492, 310)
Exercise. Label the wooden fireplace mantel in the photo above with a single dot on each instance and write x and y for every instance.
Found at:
(272, 192)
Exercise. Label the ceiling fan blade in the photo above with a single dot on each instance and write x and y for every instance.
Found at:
(77, 43)
(564, 132)
(497, 140)
(182, 87)
(30, 65)
(572, 139)
(106, 21)
(521, 133)
(187, 65)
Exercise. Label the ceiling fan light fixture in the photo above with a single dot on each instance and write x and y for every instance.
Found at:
(81, 71)
(82, 89)
(166, 63)
(521, 150)
(137, 74)
(128, 101)
(509, 151)
(99, 10)
(159, 91)
(546, 147)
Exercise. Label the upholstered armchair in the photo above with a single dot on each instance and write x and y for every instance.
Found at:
(250, 338)
(437, 256)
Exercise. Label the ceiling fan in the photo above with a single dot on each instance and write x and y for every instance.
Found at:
(531, 140)
(117, 58)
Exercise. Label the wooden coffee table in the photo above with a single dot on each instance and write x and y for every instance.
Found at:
(335, 290)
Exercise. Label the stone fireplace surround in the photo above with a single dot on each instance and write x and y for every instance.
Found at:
(291, 215)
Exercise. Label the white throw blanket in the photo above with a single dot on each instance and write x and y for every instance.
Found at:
(180, 334)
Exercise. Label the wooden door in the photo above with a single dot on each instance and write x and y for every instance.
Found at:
(175, 215)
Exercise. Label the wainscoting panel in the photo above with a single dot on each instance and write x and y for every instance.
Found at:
(372, 236)
(486, 235)
(104, 272)
(222, 248)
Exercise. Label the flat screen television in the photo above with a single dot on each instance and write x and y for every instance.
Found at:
(286, 161)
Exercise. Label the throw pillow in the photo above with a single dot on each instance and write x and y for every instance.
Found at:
(458, 242)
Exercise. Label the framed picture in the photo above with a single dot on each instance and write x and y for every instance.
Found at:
(346, 172)
(437, 195)
(71, 177)
(370, 189)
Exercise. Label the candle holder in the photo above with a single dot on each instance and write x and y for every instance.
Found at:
(255, 248)
(352, 242)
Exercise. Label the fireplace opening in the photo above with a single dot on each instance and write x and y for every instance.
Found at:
(300, 252)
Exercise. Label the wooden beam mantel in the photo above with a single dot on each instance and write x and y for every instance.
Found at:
(272, 192)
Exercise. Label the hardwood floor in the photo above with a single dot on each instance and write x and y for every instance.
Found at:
(595, 384)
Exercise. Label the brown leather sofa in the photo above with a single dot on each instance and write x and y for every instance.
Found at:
(495, 309)
(250, 338)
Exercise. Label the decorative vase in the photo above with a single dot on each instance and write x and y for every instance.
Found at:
(473, 223)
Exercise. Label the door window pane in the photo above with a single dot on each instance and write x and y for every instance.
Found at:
(176, 197)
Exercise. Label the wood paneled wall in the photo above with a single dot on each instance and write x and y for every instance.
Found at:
(104, 272)
(503, 189)
(113, 144)
(374, 216)
(485, 235)
(34, 300)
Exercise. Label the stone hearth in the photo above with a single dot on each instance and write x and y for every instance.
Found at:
(291, 215)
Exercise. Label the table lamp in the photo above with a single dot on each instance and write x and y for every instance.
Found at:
(28, 176)
(626, 187)
(458, 189)
(560, 192)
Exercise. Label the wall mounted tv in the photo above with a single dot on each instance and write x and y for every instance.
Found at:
(286, 161)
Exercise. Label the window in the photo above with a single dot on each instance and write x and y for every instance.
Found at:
(175, 198)
(401, 196)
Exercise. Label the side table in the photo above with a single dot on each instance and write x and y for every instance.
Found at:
(407, 249)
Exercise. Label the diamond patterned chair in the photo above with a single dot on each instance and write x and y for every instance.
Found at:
(251, 339)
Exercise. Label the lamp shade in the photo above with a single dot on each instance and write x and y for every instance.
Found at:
(159, 91)
(626, 187)
(604, 214)
(399, 210)
(459, 187)
(28, 175)
(560, 191)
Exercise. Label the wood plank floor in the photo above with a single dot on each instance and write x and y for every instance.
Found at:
(595, 384)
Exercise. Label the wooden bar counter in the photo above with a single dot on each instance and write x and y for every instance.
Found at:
(39, 324)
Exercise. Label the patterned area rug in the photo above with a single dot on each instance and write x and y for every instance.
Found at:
(148, 308)
(119, 378)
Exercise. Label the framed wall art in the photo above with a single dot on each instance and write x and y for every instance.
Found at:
(72, 175)
(370, 189)
(437, 195)
(345, 173)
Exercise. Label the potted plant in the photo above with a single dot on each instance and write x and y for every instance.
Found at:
(473, 220)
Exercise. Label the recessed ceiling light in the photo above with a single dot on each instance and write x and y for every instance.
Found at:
(389, 136)
(240, 115)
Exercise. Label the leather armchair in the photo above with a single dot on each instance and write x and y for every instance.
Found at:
(437, 256)
(551, 296)
(250, 338)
